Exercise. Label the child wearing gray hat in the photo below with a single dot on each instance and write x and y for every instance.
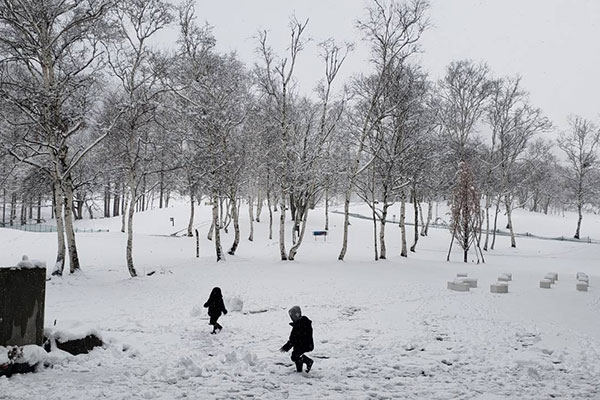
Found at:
(301, 339)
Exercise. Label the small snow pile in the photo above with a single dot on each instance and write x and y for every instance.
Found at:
(33, 355)
(71, 331)
(234, 304)
(76, 339)
(241, 356)
(187, 368)
(197, 311)
(26, 263)
(29, 354)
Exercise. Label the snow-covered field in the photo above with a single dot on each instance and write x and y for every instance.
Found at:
(386, 329)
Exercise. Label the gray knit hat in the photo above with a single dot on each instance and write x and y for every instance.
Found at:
(295, 313)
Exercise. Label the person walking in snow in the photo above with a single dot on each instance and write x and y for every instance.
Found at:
(301, 339)
(215, 308)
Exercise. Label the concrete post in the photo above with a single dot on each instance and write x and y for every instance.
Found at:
(22, 300)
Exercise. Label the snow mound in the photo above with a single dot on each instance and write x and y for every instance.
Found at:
(31, 355)
(68, 331)
(26, 263)
(234, 303)
(197, 311)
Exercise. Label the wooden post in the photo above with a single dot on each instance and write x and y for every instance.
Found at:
(197, 244)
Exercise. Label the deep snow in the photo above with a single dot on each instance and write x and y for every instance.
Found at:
(386, 329)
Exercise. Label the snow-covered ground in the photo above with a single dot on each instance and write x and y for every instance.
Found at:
(386, 329)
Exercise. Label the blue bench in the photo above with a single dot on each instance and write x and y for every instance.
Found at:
(320, 233)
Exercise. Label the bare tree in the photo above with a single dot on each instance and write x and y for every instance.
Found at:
(580, 145)
(132, 62)
(393, 31)
(313, 144)
(49, 73)
(466, 216)
(275, 80)
(514, 122)
(461, 97)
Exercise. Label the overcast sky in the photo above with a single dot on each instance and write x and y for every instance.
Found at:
(553, 44)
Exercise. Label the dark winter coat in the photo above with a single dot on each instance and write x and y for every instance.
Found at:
(301, 337)
(215, 304)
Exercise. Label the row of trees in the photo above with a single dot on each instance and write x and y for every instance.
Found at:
(92, 114)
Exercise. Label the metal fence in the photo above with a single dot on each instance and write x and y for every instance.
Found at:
(45, 228)
(444, 225)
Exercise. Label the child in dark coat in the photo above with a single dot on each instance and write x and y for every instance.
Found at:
(215, 308)
(301, 339)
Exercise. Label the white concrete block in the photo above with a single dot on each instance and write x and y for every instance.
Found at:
(581, 286)
(458, 286)
(546, 283)
(505, 278)
(461, 275)
(550, 277)
(472, 282)
(554, 276)
(500, 287)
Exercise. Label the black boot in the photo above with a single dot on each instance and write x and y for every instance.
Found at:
(298, 365)
(309, 363)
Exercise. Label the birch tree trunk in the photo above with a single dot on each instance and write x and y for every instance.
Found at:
(130, 212)
(190, 228)
(236, 226)
(3, 207)
(383, 249)
(508, 204)
(467, 235)
(161, 190)
(116, 201)
(13, 208)
(282, 251)
(23, 214)
(374, 218)
(259, 205)
(60, 230)
(326, 209)
(425, 231)
(294, 249)
(107, 200)
(421, 219)
(250, 212)
(403, 252)
(487, 222)
(221, 219)
(125, 205)
(72, 245)
(346, 223)
(211, 230)
(39, 211)
(495, 223)
(579, 218)
(270, 216)
(416, 209)
(217, 228)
